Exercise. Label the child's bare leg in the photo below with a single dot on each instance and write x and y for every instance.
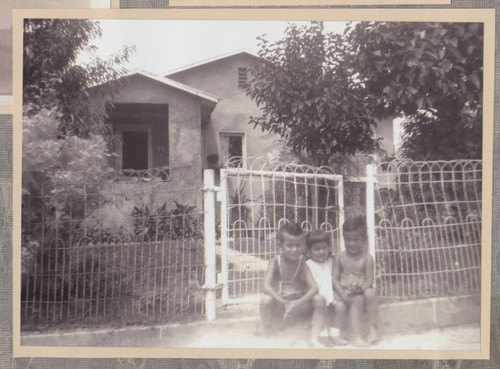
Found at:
(340, 316)
(355, 315)
(271, 313)
(371, 305)
(318, 318)
(338, 323)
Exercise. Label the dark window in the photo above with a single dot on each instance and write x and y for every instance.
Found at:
(235, 146)
(235, 149)
(135, 150)
(242, 77)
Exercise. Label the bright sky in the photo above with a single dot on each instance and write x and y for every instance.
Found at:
(163, 45)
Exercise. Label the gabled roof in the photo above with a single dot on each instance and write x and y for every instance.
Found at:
(211, 60)
(174, 84)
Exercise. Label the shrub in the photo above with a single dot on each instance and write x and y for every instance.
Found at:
(174, 224)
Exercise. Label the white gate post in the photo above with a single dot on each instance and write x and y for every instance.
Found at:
(341, 219)
(223, 236)
(370, 208)
(209, 229)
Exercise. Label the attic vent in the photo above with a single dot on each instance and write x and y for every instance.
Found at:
(242, 77)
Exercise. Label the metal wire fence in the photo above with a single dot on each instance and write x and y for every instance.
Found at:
(427, 223)
(117, 247)
(126, 247)
(258, 200)
(428, 228)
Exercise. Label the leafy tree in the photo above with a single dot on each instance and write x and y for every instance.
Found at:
(63, 136)
(52, 79)
(63, 161)
(51, 167)
(430, 72)
(308, 94)
(427, 138)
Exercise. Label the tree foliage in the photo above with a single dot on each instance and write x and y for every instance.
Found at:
(430, 72)
(51, 167)
(427, 138)
(308, 94)
(52, 79)
(64, 137)
(63, 161)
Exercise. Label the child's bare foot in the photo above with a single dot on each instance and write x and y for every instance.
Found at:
(359, 342)
(324, 333)
(373, 336)
(338, 341)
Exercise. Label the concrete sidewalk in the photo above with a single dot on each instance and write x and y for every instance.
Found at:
(247, 334)
(434, 324)
(466, 337)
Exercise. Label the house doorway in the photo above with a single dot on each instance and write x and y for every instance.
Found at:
(135, 150)
(142, 137)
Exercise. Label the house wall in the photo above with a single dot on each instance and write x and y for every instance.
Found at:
(234, 108)
(184, 151)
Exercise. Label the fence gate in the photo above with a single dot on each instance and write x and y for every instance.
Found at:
(255, 201)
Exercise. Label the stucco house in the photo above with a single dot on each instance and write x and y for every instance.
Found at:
(194, 116)
(227, 133)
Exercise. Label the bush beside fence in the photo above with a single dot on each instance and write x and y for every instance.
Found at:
(428, 228)
(118, 247)
(114, 281)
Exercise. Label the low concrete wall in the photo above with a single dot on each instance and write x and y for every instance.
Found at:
(419, 315)
(402, 317)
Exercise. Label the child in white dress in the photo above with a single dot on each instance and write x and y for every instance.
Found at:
(320, 264)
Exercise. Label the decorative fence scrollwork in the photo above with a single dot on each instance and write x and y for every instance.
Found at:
(428, 227)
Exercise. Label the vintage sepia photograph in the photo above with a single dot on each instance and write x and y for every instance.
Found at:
(253, 184)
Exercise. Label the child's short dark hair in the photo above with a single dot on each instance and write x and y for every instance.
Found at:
(317, 236)
(356, 224)
(293, 229)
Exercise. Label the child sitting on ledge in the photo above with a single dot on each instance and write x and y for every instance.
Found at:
(289, 288)
(319, 248)
(353, 276)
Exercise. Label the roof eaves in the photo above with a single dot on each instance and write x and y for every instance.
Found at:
(209, 60)
(170, 82)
